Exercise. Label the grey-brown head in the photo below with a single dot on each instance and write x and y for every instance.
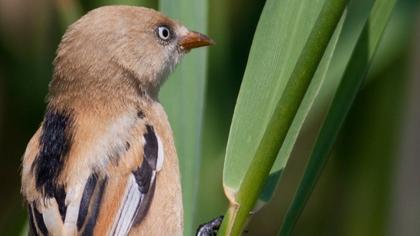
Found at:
(142, 43)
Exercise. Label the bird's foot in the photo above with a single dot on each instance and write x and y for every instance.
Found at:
(210, 228)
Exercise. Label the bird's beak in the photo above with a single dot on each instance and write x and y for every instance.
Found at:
(194, 40)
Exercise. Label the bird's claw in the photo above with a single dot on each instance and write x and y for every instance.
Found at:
(210, 228)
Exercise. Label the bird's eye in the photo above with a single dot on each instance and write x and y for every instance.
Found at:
(164, 33)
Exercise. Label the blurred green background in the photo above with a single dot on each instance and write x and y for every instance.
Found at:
(371, 185)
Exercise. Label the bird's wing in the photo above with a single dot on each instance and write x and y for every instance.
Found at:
(140, 185)
(112, 197)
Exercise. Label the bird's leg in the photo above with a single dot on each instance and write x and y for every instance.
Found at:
(210, 228)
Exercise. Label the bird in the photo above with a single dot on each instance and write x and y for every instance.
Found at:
(103, 161)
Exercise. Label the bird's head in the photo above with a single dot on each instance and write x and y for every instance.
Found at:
(142, 43)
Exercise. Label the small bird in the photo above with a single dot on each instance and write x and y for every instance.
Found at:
(103, 161)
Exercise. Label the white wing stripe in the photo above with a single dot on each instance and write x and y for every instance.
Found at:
(161, 155)
(127, 211)
(52, 218)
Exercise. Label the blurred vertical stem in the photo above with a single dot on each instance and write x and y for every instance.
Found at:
(210, 199)
(243, 200)
(183, 98)
(345, 95)
(367, 151)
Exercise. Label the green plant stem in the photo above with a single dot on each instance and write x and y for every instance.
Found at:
(282, 118)
(183, 96)
(345, 95)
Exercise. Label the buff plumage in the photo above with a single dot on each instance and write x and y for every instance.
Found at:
(103, 161)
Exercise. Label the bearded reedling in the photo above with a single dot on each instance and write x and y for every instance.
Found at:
(103, 161)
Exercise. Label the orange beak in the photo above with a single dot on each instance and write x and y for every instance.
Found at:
(195, 40)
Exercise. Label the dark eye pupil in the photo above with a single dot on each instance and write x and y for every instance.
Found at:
(165, 33)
